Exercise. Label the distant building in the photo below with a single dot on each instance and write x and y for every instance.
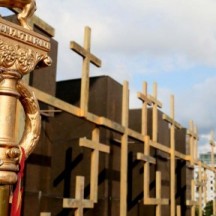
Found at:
(210, 184)
(206, 158)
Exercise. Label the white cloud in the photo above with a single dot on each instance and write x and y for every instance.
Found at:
(171, 30)
(198, 104)
(143, 37)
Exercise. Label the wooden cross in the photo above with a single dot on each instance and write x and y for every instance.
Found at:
(147, 159)
(96, 149)
(156, 104)
(88, 58)
(158, 201)
(146, 156)
(124, 150)
(146, 101)
(173, 126)
(193, 138)
(79, 203)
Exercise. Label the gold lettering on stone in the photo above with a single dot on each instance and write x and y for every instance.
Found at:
(24, 37)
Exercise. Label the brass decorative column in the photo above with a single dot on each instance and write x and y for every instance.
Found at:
(21, 50)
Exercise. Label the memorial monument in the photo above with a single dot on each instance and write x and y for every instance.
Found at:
(95, 155)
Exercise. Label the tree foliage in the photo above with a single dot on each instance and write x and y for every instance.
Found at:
(208, 210)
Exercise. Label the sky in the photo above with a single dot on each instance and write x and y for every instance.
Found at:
(171, 42)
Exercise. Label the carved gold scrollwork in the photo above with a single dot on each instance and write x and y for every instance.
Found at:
(23, 60)
(33, 120)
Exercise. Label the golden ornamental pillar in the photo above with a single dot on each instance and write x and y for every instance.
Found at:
(21, 50)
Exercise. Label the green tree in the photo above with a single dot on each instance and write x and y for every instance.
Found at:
(208, 210)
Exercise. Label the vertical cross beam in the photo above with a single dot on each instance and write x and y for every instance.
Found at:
(158, 201)
(146, 101)
(88, 58)
(178, 210)
(158, 193)
(193, 138)
(96, 147)
(173, 126)
(156, 104)
(147, 159)
(124, 151)
(204, 180)
(79, 203)
(192, 203)
(196, 139)
(212, 143)
(199, 185)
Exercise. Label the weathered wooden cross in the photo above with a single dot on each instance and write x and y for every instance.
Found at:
(173, 126)
(124, 150)
(79, 203)
(144, 123)
(193, 137)
(145, 157)
(88, 58)
(96, 147)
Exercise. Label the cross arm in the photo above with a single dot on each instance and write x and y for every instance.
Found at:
(155, 201)
(171, 121)
(94, 145)
(144, 98)
(155, 101)
(192, 134)
(73, 203)
(84, 53)
(191, 203)
(146, 158)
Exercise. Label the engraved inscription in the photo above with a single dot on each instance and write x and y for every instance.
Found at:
(23, 36)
